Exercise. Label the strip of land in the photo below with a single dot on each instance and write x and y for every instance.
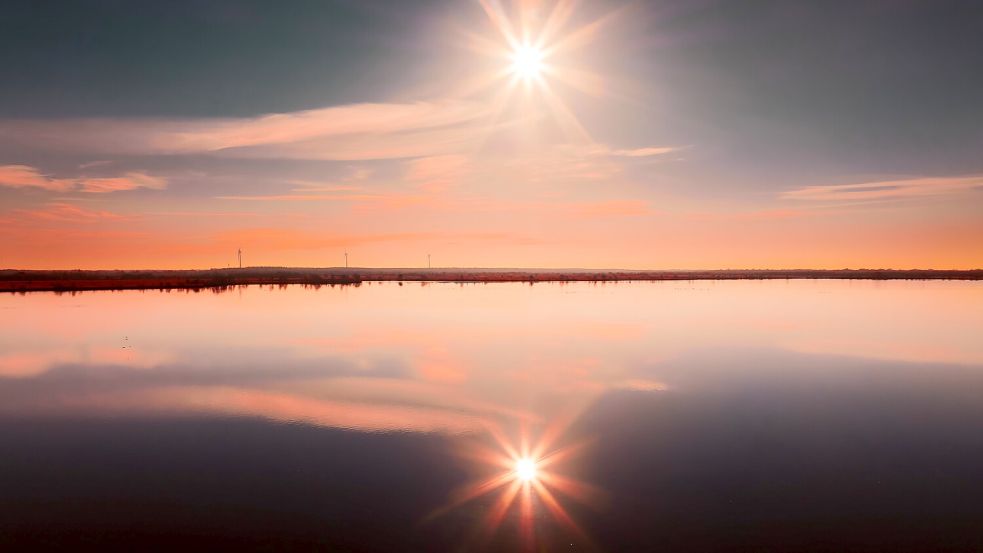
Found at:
(12, 280)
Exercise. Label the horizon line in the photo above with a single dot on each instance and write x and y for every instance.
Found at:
(503, 268)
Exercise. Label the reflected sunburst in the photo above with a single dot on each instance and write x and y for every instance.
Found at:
(527, 480)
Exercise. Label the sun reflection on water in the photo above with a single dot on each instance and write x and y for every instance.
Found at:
(525, 469)
(527, 482)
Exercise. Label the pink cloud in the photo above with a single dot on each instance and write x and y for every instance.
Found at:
(646, 152)
(355, 131)
(28, 363)
(568, 162)
(394, 202)
(281, 406)
(641, 385)
(97, 163)
(21, 176)
(66, 212)
(435, 131)
(129, 181)
(564, 163)
(437, 173)
(883, 190)
(273, 239)
(284, 128)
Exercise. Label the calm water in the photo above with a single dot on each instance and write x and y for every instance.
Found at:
(760, 415)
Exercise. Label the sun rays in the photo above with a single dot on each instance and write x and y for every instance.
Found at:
(527, 62)
(525, 469)
(533, 50)
(525, 483)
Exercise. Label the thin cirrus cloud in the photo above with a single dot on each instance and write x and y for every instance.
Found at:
(25, 176)
(439, 130)
(346, 132)
(646, 152)
(435, 173)
(377, 203)
(273, 239)
(887, 190)
(64, 212)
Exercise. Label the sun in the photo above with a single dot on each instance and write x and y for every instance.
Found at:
(527, 62)
(525, 469)
(535, 52)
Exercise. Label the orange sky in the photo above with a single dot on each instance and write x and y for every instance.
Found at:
(538, 135)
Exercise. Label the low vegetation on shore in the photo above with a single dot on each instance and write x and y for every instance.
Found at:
(77, 280)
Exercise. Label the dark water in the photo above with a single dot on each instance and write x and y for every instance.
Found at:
(709, 416)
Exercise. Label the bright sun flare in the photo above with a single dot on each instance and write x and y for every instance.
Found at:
(527, 62)
(525, 469)
(533, 53)
(526, 477)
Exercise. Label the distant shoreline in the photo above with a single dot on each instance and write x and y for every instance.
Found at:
(12, 280)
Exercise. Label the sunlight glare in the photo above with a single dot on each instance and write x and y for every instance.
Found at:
(525, 479)
(525, 469)
(527, 62)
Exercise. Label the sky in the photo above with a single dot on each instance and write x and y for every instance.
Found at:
(603, 134)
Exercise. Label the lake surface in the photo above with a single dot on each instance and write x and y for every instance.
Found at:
(673, 416)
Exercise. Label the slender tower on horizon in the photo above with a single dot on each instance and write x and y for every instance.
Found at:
(428, 261)
(346, 260)
(239, 253)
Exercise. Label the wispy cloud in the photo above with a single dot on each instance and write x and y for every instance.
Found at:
(436, 173)
(311, 187)
(297, 239)
(886, 190)
(313, 194)
(97, 163)
(646, 152)
(434, 132)
(375, 203)
(64, 212)
(24, 176)
(129, 181)
(583, 162)
(354, 131)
